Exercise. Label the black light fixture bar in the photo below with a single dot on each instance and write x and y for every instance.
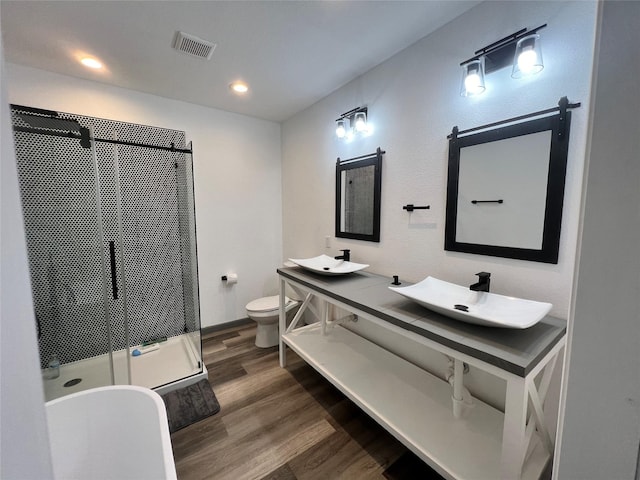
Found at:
(351, 113)
(500, 53)
(501, 42)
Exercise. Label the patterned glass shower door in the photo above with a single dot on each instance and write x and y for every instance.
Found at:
(60, 192)
(157, 247)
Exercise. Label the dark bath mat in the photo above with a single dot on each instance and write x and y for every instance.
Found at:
(190, 404)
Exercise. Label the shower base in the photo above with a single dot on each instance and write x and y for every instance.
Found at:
(172, 366)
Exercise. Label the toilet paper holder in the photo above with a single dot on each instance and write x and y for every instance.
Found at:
(230, 278)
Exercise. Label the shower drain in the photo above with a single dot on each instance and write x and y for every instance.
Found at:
(73, 382)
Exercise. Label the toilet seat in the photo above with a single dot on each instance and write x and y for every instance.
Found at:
(268, 306)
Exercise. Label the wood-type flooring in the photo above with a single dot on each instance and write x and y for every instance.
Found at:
(283, 424)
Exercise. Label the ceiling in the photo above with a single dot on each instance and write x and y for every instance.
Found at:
(291, 53)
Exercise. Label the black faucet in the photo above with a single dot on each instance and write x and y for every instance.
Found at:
(346, 255)
(483, 284)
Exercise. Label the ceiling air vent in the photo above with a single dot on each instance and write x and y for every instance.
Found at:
(194, 46)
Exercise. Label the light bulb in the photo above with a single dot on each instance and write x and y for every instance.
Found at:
(472, 84)
(341, 131)
(528, 57)
(472, 78)
(527, 60)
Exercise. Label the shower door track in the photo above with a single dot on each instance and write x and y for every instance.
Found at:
(172, 148)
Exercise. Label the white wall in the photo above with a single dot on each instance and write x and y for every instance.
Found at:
(237, 171)
(413, 100)
(24, 446)
(601, 427)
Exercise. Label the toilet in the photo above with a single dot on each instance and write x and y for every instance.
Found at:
(265, 312)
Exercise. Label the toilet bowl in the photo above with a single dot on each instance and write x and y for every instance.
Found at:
(266, 312)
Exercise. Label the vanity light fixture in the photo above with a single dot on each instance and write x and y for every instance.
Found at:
(352, 122)
(520, 49)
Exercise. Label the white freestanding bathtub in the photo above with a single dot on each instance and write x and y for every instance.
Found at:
(115, 432)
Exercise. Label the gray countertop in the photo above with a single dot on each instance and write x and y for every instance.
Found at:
(512, 350)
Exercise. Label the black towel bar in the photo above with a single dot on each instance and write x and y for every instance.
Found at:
(411, 207)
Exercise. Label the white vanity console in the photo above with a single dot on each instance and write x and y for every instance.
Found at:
(478, 442)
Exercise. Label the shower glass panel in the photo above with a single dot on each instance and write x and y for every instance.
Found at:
(158, 263)
(60, 197)
(186, 203)
(110, 224)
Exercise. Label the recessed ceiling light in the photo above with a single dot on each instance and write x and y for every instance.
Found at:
(91, 62)
(239, 87)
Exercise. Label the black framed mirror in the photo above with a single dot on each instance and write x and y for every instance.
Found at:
(358, 191)
(505, 187)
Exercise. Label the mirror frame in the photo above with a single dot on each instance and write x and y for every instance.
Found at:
(559, 126)
(374, 159)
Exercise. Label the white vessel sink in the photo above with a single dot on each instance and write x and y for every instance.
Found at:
(326, 265)
(481, 308)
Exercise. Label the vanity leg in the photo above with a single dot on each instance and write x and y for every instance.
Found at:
(457, 397)
(323, 319)
(513, 434)
(282, 326)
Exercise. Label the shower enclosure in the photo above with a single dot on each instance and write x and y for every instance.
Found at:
(110, 228)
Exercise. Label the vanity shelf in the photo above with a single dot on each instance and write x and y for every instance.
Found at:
(416, 406)
(410, 403)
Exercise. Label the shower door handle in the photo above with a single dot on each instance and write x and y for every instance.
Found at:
(114, 279)
(39, 325)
